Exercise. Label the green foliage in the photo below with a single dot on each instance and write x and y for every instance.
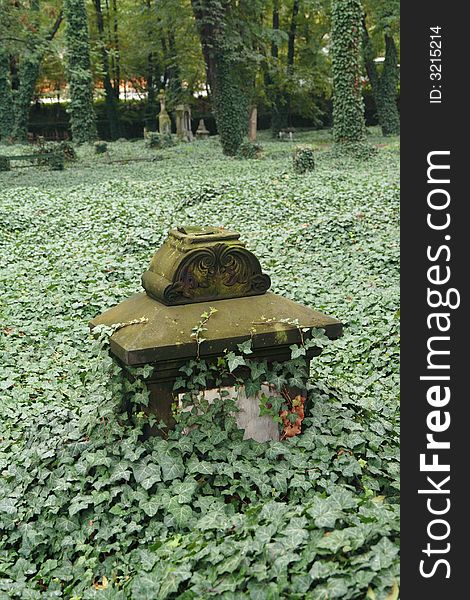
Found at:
(68, 150)
(387, 90)
(303, 159)
(159, 140)
(51, 155)
(355, 150)
(6, 98)
(5, 163)
(348, 106)
(84, 501)
(231, 106)
(383, 85)
(82, 117)
(29, 72)
(100, 147)
(250, 150)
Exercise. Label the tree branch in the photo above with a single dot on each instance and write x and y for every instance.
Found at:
(50, 36)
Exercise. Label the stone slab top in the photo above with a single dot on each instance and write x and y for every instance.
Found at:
(191, 234)
(166, 335)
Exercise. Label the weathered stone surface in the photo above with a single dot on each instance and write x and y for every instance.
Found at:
(166, 337)
(202, 132)
(198, 269)
(164, 121)
(259, 428)
(200, 264)
(183, 122)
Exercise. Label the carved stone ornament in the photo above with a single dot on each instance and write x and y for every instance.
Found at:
(199, 264)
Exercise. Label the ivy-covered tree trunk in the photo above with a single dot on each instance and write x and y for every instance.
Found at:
(110, 97)
(28, 75)
(348, 105)
(384, 87)
(6, 98)
(291, 54)
(388, 111)
(82, 115)
(231, 106)
(28, 72)
(278, 110)
(226, 76)
(151, 108)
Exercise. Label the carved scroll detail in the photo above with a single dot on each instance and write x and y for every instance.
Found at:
(217, 272)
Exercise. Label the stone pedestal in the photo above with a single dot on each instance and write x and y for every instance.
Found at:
(202, 133)
(195, 271)
(164, 121)
(183, 122)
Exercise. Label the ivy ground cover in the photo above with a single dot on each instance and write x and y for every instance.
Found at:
(87, 510)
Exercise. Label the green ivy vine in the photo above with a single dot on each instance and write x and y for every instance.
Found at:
(82, 116)
(348, 105)
(6, 100)
(231, 106)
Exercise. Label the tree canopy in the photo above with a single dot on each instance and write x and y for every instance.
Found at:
(226, 55)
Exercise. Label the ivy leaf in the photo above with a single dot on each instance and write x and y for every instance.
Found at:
(184, 491)
(8, 505)
(151, 506)
(245, 347)
(146, 473)
(234, 361)
(181, 512)
(172, 467)
(120, 472)
(78, 504)
(257, 369)
(324, 512)
(297, 351)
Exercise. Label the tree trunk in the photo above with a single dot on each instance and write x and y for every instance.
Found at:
(224, 74)
(278, 112)
(291, 55)
(151, 108)
(369, 63)
(348, 105)
(6, 98)
(207, 17)
(274, 46)
(29, 73)
(110, 97)
(388, 114)
(384, 86)
(82, 114)
(173, 72)
(117, 61)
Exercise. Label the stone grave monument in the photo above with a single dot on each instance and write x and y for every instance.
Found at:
(183, 122)
(195, 270)
(202, 133)
(164, 121)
